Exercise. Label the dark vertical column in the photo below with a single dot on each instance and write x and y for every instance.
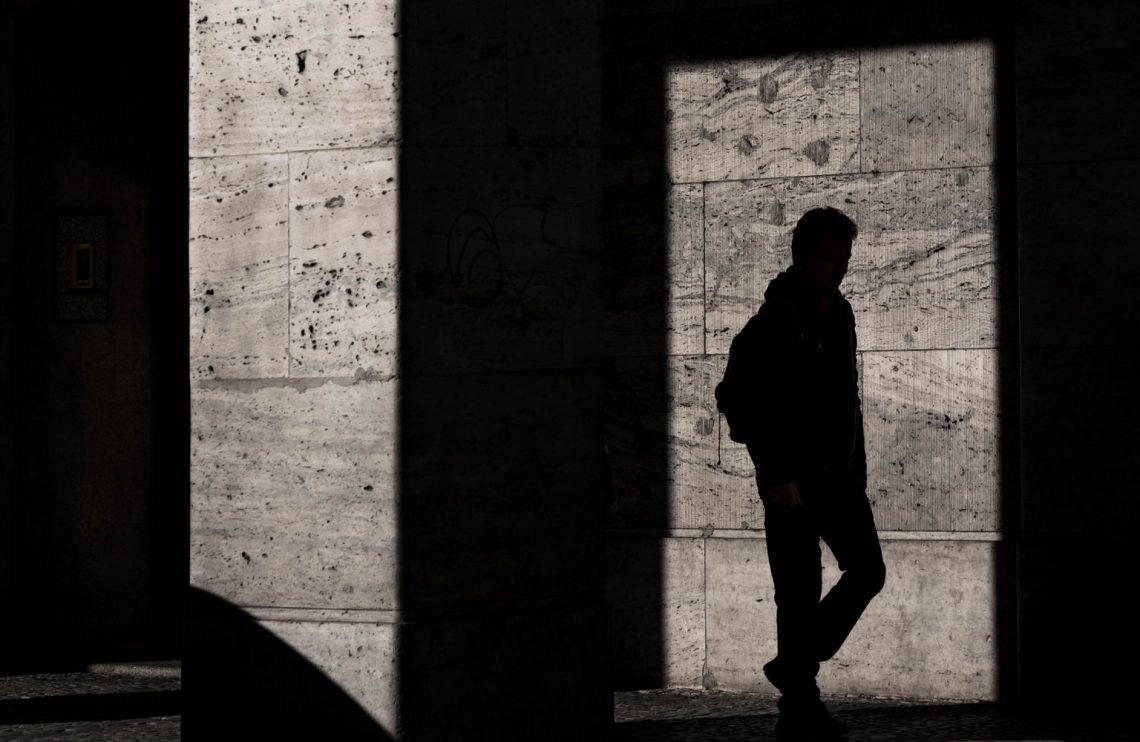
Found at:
(1009, 358)
(1077, 150)
(7, 196)
(502, 493)
(169, 505)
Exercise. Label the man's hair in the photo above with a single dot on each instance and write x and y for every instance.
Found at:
(817, 225)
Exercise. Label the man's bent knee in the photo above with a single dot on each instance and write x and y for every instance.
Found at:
(875, 577)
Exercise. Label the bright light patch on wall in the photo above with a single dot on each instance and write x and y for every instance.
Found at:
(902, 140)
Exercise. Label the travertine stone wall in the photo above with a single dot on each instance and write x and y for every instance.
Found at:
(292, 174)
(320, 210)
(922, 280)
(901, 137)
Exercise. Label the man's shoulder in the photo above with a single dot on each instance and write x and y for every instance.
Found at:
(770, 319)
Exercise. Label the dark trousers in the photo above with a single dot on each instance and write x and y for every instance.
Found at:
(810, 630)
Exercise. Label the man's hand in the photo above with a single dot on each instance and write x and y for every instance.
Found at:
(786, 494)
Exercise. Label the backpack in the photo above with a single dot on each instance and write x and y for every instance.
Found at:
(735, 394)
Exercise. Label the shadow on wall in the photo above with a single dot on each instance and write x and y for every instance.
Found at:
(240, 679)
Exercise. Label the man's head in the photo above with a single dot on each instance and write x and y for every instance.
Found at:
(821, 247)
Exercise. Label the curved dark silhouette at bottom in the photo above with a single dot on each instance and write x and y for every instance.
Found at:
(238, 678)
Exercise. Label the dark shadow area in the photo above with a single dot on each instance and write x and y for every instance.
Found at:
(240, 679)
(96, 542)
(502, 486)
(1080, 271)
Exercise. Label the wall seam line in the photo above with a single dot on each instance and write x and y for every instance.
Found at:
(841, 174)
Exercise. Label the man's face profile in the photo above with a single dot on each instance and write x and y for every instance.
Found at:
(826, 267)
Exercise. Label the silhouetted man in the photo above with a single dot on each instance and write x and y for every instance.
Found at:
(790, 393)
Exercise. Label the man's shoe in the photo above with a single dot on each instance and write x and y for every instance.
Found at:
(811, 723)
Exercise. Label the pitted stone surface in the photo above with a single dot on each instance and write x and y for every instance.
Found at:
(927, 106)
(788, 115)
(342, 262)
(294, 493)
(291, 76)
(933, 438)
(239, 244)
(922, 270)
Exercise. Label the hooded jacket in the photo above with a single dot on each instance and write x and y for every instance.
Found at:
(790, 391)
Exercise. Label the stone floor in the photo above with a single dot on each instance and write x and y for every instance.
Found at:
(705, 716)
(91, 707)
(101, 707)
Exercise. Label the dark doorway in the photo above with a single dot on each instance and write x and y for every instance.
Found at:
(97, 497)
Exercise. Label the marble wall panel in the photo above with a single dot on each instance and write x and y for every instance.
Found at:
(927, 106)
(655, 303)
(359, 657)
(342, 261)
(1080, 434)
(928, 634)
(932, 428)
(663, 438)
(656, 587)
(794, 114)
(499, 259)
(294, 493)
(1078, 272)
(239, 245)
(291, 76)
(922, 271)
(554, 72)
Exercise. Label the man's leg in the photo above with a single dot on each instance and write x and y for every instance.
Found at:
(848, 529)
(794, 558)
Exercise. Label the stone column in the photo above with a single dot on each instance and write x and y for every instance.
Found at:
(293, 292)
(395, 317)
